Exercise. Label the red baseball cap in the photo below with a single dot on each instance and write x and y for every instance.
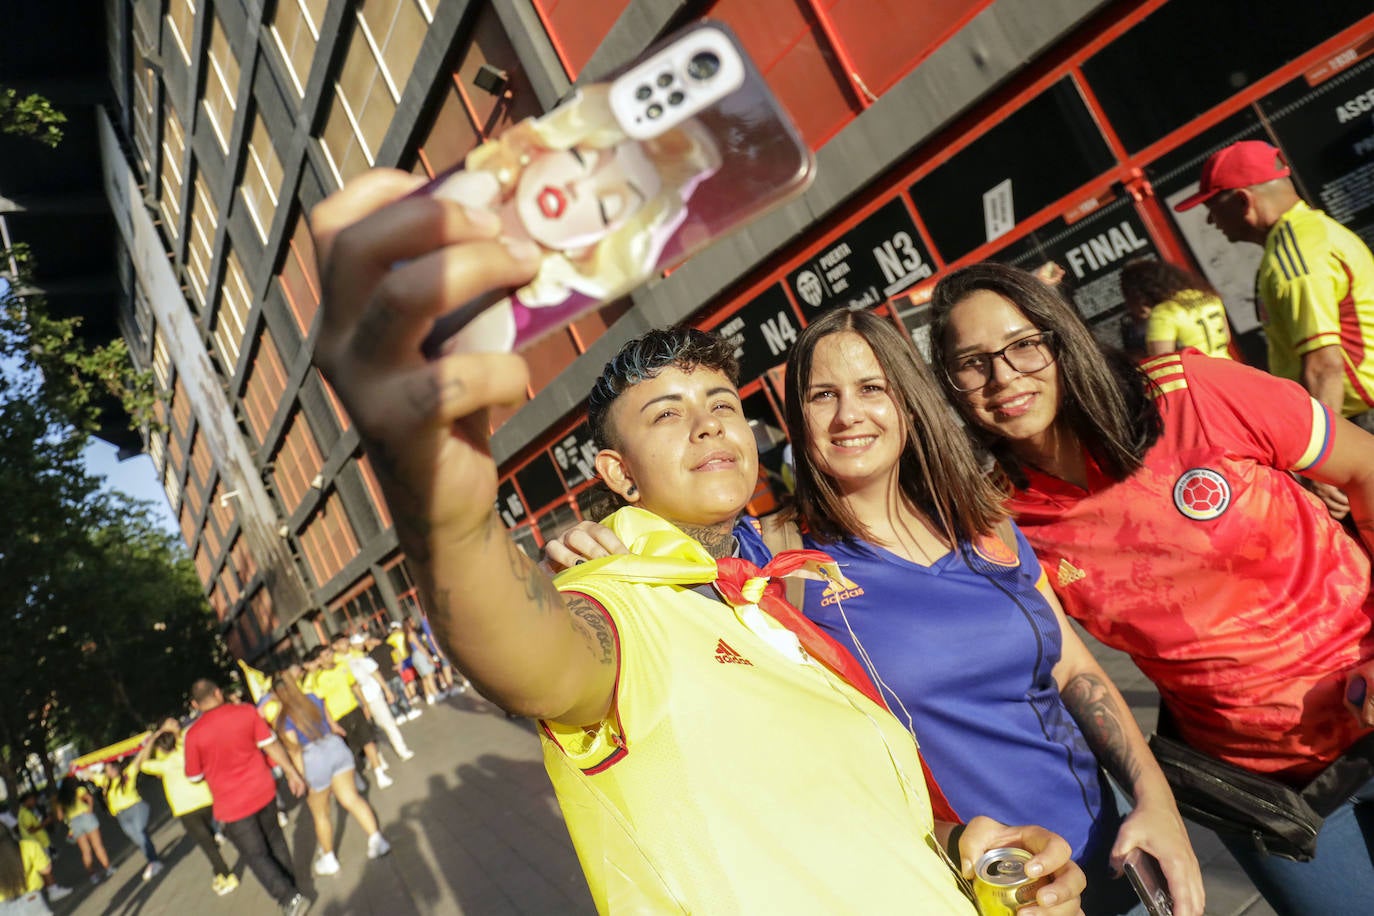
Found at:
(1240, 165)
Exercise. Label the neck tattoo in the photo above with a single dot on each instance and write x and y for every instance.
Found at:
(718, 543)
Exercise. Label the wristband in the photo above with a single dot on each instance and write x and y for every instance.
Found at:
(952, 844)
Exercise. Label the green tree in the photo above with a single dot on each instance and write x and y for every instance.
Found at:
(104, 623)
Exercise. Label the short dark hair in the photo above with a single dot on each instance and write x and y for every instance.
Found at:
(315, 653)
(1105, 398)
(338, 636)
(644, 358)
(203, 690)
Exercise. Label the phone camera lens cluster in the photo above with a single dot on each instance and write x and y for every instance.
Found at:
(703, 65)
(654, 111)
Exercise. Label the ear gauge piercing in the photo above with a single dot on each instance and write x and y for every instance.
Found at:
(632, 490)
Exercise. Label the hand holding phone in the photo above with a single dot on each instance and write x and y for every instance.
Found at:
(1145, 875)
(626, 179)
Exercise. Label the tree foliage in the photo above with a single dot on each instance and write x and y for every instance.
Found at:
(30, 116)
(105, 624)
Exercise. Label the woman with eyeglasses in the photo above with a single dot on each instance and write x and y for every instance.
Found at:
(947, 609)
(1162, 503)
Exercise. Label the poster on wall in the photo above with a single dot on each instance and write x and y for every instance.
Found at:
(867, 265)
(1327, 133)
(509, 505)
(761, 332)
(1092, 250)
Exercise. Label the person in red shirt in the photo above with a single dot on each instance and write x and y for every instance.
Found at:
(225, 747)
(1162, 503)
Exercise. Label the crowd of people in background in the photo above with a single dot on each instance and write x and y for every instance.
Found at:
(230, 767)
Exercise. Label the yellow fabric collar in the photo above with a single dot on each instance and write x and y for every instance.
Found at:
(660, 554)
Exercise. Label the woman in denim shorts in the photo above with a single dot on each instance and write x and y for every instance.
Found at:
(329, 766)
(76, 806)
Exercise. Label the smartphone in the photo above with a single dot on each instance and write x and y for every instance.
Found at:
(1148, 880)
(624, 180)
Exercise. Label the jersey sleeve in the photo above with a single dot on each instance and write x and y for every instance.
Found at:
(593, 748)
(262, 735)
(154, 767)
(1257, 415)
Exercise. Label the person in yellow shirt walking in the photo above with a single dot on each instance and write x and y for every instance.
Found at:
(329, 678)
(120, 785)
(25, 870)
(163, 756)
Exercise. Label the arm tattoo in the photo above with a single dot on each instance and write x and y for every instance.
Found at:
(1094, 708)
(590, 623)
(539, 590)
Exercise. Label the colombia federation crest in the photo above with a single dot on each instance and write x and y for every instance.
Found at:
(1201, 494)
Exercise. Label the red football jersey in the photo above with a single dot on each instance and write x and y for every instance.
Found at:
(1227, 582)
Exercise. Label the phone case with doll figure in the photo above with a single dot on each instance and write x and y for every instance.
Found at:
(624, 180)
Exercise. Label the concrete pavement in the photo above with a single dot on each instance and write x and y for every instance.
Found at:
(474, 830)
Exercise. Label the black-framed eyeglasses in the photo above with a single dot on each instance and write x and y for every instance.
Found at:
(1028, 354)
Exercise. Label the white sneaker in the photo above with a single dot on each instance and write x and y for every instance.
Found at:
(384, 781)
(219, 837)
(282, 819)
(429, 700)
(151, 871)
(328, 864)
(57, 892)
(377, 846)
(406, 754)
(463, 687)
(413, 714)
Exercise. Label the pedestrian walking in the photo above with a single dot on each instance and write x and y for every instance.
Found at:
(224, 747)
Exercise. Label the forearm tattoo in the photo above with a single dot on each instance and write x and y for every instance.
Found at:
(1094, 707)
(591, 624)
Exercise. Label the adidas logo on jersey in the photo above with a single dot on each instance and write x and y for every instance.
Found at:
(727, 656)
(1068, 573)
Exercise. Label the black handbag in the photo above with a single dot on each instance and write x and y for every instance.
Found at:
(1277, 819)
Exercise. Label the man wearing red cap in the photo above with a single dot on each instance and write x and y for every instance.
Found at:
(1316, 281)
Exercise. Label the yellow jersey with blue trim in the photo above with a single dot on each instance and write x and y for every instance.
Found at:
(1316, 289)
(734, 774)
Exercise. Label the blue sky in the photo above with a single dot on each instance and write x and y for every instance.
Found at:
(136, 476)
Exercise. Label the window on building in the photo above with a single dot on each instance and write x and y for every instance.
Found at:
(172, 486)
(221, 85)
(145, 117)
(181, 16)
(263, 613)
(204, 221)
(157, 445)
(202, 561)
(299, 282)
(381, 54)
(162, 361)
(361, 608)
(262, 176)
(187, 525)
(328, 540)
(296, 463)
(181, 413)
(235, 302)
(374, 490)
(266, 386)
(173, 152)
(407, 595)
(296, 30)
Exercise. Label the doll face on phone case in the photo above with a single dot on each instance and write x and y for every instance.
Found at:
(569, 199)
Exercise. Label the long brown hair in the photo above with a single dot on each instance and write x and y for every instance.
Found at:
(938, 471)
(12, 878)
(1105, 398)
(304, 714)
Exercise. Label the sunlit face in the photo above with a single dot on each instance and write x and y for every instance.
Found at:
(686, 446)
(1021, 407)
(1229, 212)
(854, 427)
(569, 199)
